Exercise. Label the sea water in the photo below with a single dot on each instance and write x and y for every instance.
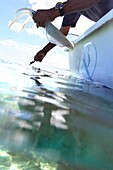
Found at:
(50, 120)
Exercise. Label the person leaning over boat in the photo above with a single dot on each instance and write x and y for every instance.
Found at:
(71, 10)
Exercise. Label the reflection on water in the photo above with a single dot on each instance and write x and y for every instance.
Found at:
(53, 121)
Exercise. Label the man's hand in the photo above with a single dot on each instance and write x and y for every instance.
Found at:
(41, 17)
(39, 56)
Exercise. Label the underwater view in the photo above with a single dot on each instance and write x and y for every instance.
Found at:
(50, 120)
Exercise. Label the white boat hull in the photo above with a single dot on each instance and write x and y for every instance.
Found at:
(92, 56)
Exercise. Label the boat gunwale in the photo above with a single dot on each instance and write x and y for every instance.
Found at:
(105, 19)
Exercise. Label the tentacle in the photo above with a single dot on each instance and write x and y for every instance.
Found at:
(26, 11)
(29, 10)
(18, 17)
(25, 23)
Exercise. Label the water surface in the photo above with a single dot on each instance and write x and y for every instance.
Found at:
(53, 121)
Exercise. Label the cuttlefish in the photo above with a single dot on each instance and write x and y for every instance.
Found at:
(53, 34)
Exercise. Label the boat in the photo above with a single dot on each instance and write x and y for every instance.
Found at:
(92, 56)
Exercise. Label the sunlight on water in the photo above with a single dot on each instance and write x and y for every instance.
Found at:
(53, 121)
(24, 160)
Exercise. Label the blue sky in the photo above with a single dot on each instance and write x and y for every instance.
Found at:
(25, 46)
